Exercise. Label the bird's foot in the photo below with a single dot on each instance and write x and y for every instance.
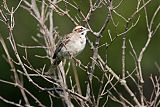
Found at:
(78, 62)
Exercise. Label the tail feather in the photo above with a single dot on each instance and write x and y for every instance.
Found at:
(53, 67)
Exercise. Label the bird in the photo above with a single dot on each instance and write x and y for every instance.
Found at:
(70, 46)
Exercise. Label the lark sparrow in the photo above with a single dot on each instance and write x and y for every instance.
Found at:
(71, 45)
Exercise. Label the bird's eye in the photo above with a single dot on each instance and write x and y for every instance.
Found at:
(82, 33)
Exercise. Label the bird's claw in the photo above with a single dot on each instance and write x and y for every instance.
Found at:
(78, 62)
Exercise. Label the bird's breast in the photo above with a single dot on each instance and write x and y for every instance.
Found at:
(74, 46)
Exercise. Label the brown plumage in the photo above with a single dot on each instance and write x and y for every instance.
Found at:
(70, 46)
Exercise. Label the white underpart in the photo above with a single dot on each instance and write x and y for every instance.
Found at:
(77, 45)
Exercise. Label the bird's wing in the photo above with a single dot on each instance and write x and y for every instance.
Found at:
(58, 49)
(61, 44)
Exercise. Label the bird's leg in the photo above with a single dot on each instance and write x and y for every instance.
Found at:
(78, 62)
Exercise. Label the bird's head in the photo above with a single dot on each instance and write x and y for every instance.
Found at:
(81, 30)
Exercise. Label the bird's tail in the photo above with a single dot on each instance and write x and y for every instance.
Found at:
(53, 67)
